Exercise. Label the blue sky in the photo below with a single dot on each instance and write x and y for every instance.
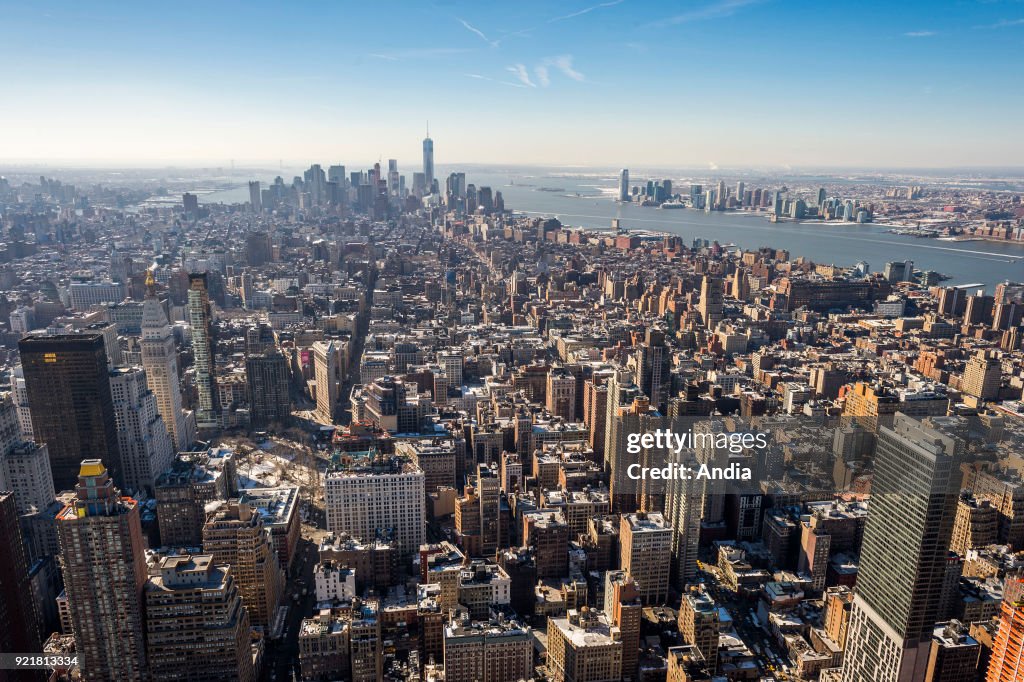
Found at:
(728, 83)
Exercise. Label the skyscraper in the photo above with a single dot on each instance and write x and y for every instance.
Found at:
(143, 440)
(325, 370)
(200, 319)
(255, 201)
(196, 621)
(983, 375)
(1007, 661)
(72, 411)
(103, 554)
(624, 185)
(903, 560)
(684, 505)
(384, 494)
(428, 162)
(160, 360)
(234, 534)
(267, 377)
(24, 465)
(20, 630)
(710, 306)
(645, 544)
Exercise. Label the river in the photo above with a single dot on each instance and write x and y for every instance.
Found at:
(587, 201)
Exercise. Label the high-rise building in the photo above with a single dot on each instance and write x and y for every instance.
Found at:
(983, 375)
(699, 624)
(201, 321)
(547, 532)
(195, 621)
(684, 505)
(234, 534)
(182, 494)
(953, 656)
(25, 470)
(624, 609)
(267, 379)
(624, 185)
(436, 459)
(19, 389)
(561, 394)
(651, 365)
(20, 632)
(583, 647)
(622, 393)
(24, 465)
(371, 497)
(595, 411)
(838, 604)
(494, 651)
(710, 306)
(1006, 663)
(325, 369)
(160, 360)
(904, 554)
(72, 410)
(142, 438)
(428, 162)
(645, 543)
(255, 200)
(976, 524)
(104, 562)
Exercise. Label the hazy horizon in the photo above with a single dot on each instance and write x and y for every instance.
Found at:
(408, 167)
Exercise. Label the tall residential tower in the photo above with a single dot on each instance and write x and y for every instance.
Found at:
(201, 320)
(104, 559)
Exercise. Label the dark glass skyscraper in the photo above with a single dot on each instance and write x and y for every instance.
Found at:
(267, 377)
(69, 397)
(903, 560)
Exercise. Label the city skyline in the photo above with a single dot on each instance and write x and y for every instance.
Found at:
(693, 350)
(658, 86)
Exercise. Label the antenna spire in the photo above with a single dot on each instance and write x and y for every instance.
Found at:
(428, 128)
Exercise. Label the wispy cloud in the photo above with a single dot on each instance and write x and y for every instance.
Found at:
(1003, 23)
(520, 72)
(474, 30)
(543, 77)
(564, 64)
(481, 77)
(585, 10)
(716, 10)
(919, 34)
